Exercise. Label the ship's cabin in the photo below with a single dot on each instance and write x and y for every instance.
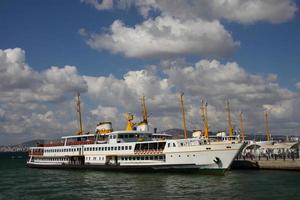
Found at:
(129, 136)
(79, 139)
(136, 136)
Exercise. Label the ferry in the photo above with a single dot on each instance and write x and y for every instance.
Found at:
(136, 148)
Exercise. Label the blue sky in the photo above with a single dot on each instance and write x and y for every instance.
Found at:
(264, 45)
(48, 31)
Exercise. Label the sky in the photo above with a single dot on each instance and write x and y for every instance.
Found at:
(113, 52)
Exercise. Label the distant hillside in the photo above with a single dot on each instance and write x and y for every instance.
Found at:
(32, 143)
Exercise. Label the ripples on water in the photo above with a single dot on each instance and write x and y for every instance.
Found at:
(19, 182)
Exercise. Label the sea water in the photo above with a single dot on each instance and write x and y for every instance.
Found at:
(19, 182)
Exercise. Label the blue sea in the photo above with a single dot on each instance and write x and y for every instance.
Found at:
(19, 182)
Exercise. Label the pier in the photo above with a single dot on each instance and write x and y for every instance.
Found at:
(276, 156)
(287, 164)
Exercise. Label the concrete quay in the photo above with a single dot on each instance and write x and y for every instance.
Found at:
(287, 164)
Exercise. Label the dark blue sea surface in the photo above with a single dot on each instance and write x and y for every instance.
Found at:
(19, 182)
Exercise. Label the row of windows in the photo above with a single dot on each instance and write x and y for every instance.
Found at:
(107, 148)
(143, 158)
(51, 159)
(62, 150)
(94, 158)
(186, 155)
(125, 158)
(89, 149)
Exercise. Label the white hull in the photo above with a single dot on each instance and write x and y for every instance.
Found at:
(175, 154)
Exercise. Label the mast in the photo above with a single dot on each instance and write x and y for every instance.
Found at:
(206, 121)
(268, 134)
(183, 116)
(144, 109)
(230, 128)
(204, 118)
(242, 126)
(79, 114)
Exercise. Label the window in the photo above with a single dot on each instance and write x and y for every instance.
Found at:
(168, 144)
(122, 147)
(108, 148)
(126, 147)
(105, 148)
(119, 148)
(129, 147)
(116, 148)
(174, 145)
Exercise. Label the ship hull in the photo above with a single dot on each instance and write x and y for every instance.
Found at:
(185, 168)
(188, 155)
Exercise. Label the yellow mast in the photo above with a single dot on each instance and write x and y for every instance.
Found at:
(80, 132)
(268, 134)
(242, 127)
(230, 128)
(204, 118)
(145, 113)
(206, 121)
(183, 116)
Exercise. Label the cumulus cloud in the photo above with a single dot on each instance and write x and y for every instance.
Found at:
(30, 99)
(297, 85)
(44, 111)
(241, 11)
(164, 37)
(100, 5)
(183, 27)
(208, 79)
(19, 83)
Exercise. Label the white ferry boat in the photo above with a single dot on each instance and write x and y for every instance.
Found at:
(135, 150)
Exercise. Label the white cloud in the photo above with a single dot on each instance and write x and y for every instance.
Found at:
(164, 37)
(183, 27)
(100, 5)
(45, 109)
(206, 79)
(241, 11)
(19, 83)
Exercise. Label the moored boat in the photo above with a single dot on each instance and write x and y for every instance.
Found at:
(136, 148)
